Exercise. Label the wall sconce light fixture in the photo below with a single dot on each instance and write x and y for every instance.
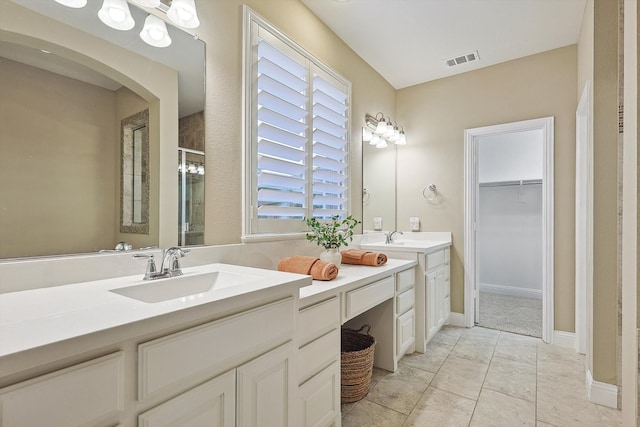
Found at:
(380, 131)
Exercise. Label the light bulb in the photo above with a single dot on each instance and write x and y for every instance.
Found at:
(375, 140)
(382, 143)
(155, 32)
(402, 140)
(116, 14)
(183, 13)
(381, 128)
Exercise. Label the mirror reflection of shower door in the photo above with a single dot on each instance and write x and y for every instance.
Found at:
(191, 197)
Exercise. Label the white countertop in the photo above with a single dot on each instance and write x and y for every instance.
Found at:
(420, 242)
(353, 275)
(423, 246)
(34, 318)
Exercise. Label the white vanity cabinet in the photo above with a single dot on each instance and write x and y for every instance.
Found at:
(238, 369)
(437, 291)
(256, 389)
(432, 284)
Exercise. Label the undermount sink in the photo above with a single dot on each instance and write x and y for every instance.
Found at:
(188, 285)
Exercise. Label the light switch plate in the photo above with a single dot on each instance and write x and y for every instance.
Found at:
(414, 223)
(377, 223)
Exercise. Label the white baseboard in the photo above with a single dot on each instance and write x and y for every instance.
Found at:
(564, 339)
(456, 319)
(601, 393)
(511, 291)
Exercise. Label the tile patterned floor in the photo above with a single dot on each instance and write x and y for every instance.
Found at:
(481, 378)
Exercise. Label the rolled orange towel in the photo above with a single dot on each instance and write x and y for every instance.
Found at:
(315, 267)
(362, 257)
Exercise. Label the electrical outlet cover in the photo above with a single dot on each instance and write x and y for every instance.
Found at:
(414, 223)
(377, 223)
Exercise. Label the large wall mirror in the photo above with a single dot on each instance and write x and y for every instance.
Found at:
(60, 129)
(379, 188)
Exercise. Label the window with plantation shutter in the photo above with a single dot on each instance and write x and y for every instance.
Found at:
(296, 134)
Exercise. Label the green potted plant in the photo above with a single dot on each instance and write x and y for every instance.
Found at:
(331, 234)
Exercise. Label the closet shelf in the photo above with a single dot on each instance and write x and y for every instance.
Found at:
(511, 183)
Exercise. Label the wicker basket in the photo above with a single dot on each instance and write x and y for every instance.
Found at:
(356, 363)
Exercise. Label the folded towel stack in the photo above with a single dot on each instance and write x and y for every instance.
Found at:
(315, 267)
(362, 257)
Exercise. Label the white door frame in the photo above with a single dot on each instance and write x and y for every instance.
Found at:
(584, 217)
(471, 187)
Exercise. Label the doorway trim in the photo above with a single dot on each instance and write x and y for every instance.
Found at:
(471, 187)
(584, 220)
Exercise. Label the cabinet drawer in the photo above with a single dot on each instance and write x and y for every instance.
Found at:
(318, 319)
(315, 355)
(77, 396)
(405, 325)
(405, 279)
(319, 398)
(434, 259)
(405, 301)
(184, 359)
(361, 299)
(212, 403)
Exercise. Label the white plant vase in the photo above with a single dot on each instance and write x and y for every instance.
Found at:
(331, 255)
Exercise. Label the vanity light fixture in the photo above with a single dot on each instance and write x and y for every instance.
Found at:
(155, 32)
(382, 131)
(116, 14)
(183, 13)
(76, 4)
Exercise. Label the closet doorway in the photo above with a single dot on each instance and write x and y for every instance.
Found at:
(509, 227)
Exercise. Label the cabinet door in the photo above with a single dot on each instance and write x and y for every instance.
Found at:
(265, 388)
(319, 398)
(405, 332)
(211, 404)
(431, 304)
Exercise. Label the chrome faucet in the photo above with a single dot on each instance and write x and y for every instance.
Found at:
(170, 261)
(390, 235)
(170, 266)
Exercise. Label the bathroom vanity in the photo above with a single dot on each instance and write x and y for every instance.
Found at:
(432, 252)
(255, 346)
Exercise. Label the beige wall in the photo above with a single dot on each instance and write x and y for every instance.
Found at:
(435, 115)
(221, 29)
(605, 197)
(58, 165)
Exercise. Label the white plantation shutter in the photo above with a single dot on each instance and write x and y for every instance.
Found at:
(330, 144)
(297, 122)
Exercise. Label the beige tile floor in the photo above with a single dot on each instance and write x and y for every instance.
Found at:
(481, 378)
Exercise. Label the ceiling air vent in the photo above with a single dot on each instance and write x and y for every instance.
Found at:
(462, 59)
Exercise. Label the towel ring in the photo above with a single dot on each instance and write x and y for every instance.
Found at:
(433, 192)
(365, 195)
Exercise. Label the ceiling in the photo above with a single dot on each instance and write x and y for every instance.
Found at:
(408, 41)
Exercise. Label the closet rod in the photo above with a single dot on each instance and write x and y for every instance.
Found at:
(506, 183)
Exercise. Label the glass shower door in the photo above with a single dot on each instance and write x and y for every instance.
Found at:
(191, 197)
